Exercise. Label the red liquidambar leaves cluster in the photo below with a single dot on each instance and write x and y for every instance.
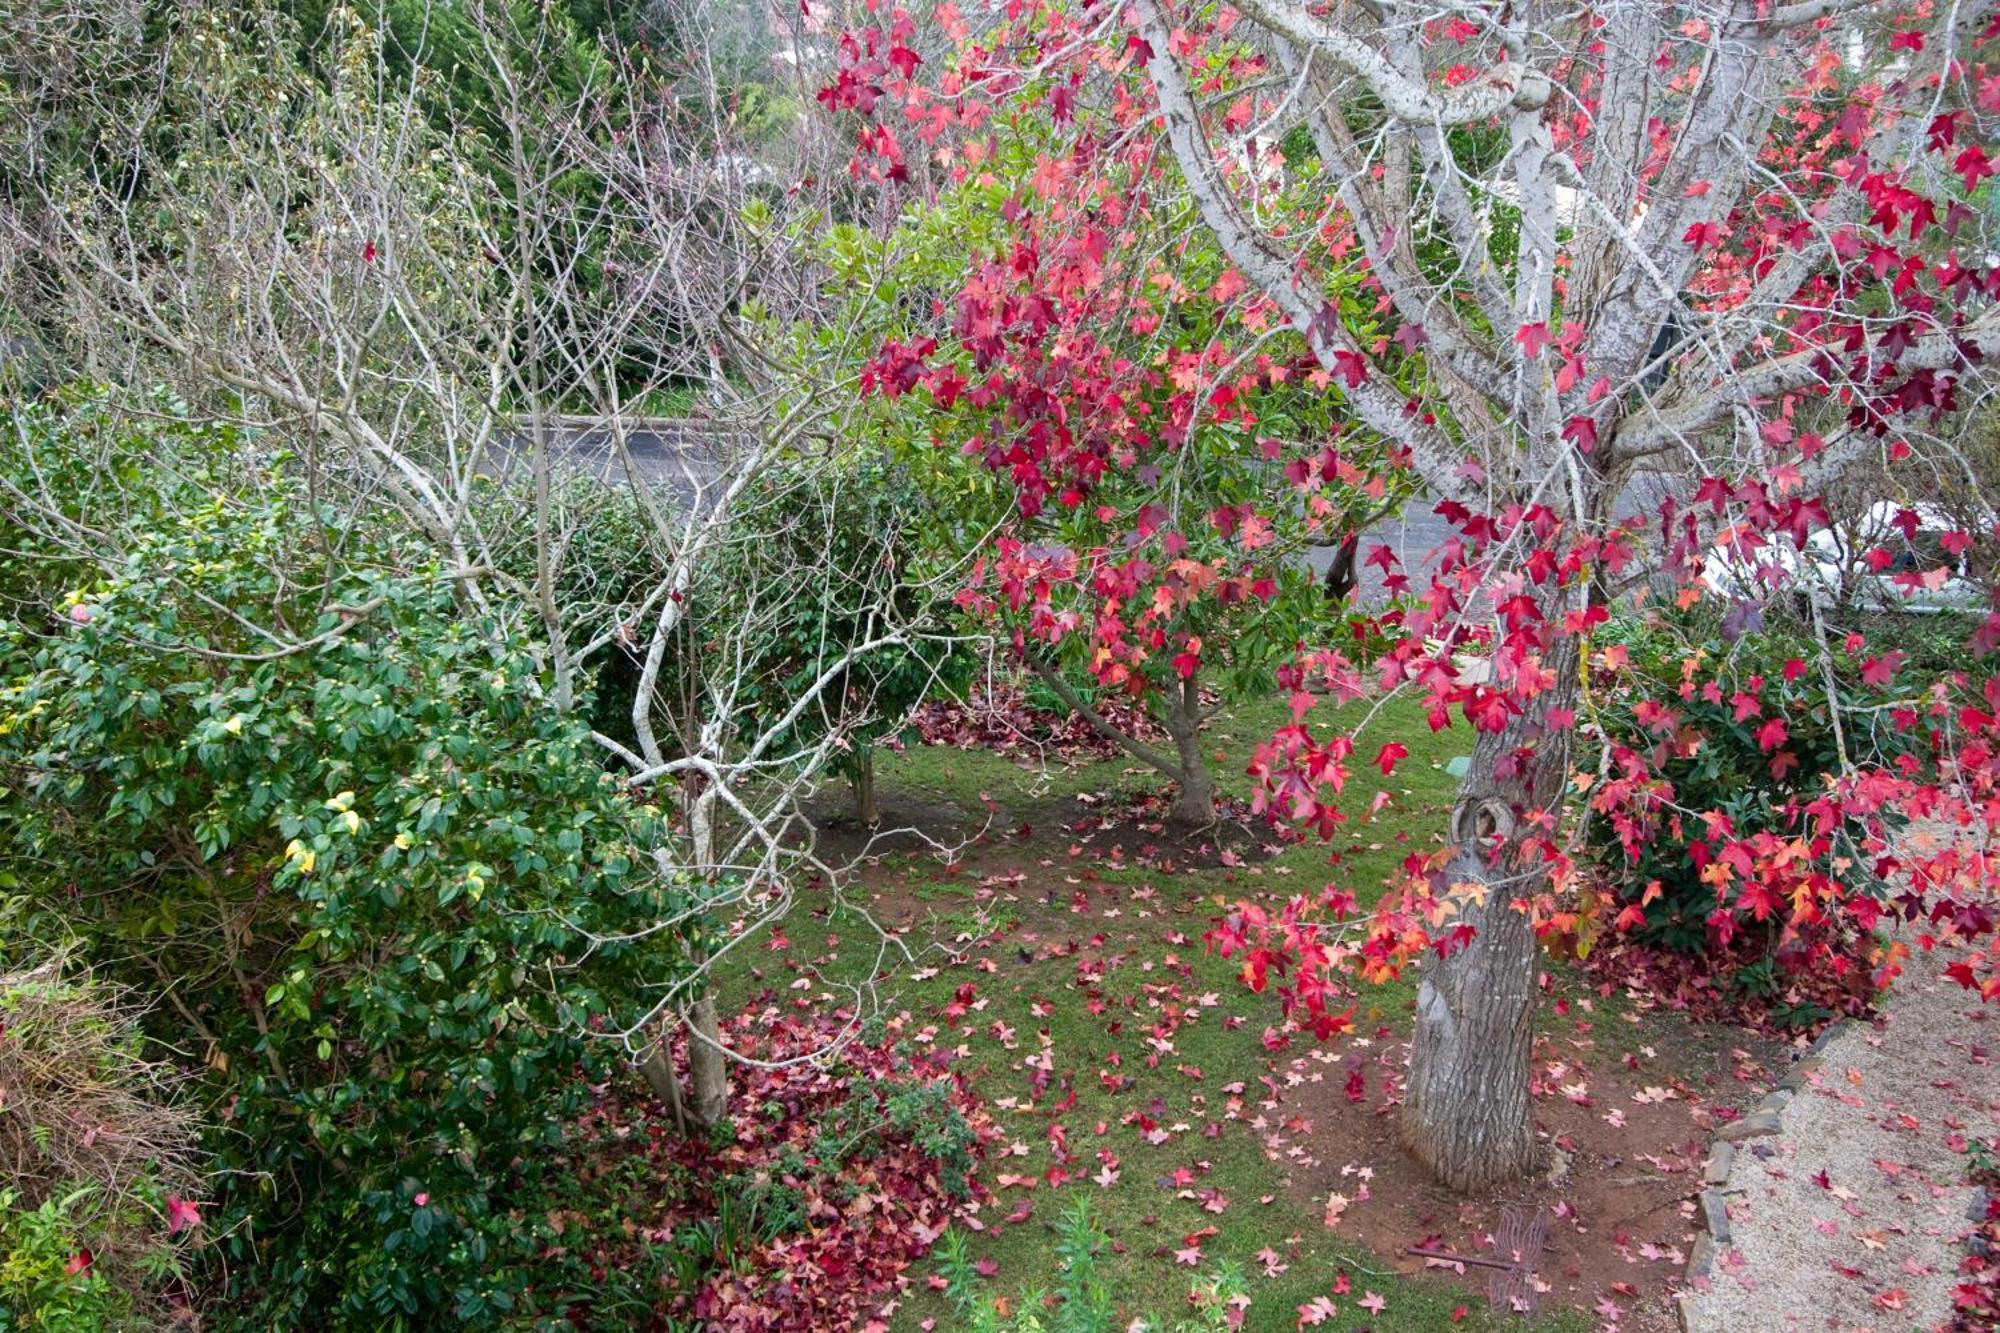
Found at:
(867, 63)
(1513, 616)
(1888, 837)
(1893, 233)
(1086, 351)
(872, 1201)
(1976, 1299)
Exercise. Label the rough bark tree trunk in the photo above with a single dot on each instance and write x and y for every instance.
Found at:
(708, 1068)
(864, 788)
(1467, 1115)
(1194, 804)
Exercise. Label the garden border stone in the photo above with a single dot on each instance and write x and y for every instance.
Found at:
(1764, 1120)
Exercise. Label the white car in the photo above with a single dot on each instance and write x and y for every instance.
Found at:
(1917, 571)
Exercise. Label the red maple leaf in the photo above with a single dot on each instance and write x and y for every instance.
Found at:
(1532, 338)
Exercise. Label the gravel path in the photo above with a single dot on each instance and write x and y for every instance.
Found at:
(1851, 1216)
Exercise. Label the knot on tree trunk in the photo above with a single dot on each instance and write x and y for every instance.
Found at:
(1476, 819)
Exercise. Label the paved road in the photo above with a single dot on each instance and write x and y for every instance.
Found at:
(685, 457)
(1416, 533)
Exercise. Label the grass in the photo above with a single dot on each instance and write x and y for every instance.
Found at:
(678, 399)
(1035, 1006)
(965, 777)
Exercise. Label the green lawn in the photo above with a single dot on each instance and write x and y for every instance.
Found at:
(1156, 983)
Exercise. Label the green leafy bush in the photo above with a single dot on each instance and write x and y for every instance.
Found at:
(855, 521)
(819, 600)
(1739, 728)
(331, 816)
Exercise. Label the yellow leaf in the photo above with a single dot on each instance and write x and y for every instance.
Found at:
(1469, 891)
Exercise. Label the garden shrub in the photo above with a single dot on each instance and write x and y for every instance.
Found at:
(1736, 726)
(1934, 647)
(818, 558)
(367, 872)
(853, 521)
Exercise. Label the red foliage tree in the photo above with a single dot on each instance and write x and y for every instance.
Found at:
(1552, 256)
(1099, 396)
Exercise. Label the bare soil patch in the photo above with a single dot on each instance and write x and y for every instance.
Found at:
(1627, 1116)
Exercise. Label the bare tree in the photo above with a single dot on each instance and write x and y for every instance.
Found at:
(465, 322)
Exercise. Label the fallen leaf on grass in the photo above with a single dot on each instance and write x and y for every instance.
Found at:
(1317, 1311)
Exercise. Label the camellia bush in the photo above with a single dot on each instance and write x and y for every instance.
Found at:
(378, 886)
(1714, 749)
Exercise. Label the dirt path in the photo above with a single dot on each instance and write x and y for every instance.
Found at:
(1850, 1217)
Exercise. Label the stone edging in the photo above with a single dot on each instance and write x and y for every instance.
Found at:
(1764, 1120)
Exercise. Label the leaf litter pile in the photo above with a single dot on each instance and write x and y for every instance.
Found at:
(838, 1165)
(1003, 719)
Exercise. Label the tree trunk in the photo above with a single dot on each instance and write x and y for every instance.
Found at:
(1467, 1115)
(864, 788)
(708, 1069)
(1195, 802)
(665, 1081)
